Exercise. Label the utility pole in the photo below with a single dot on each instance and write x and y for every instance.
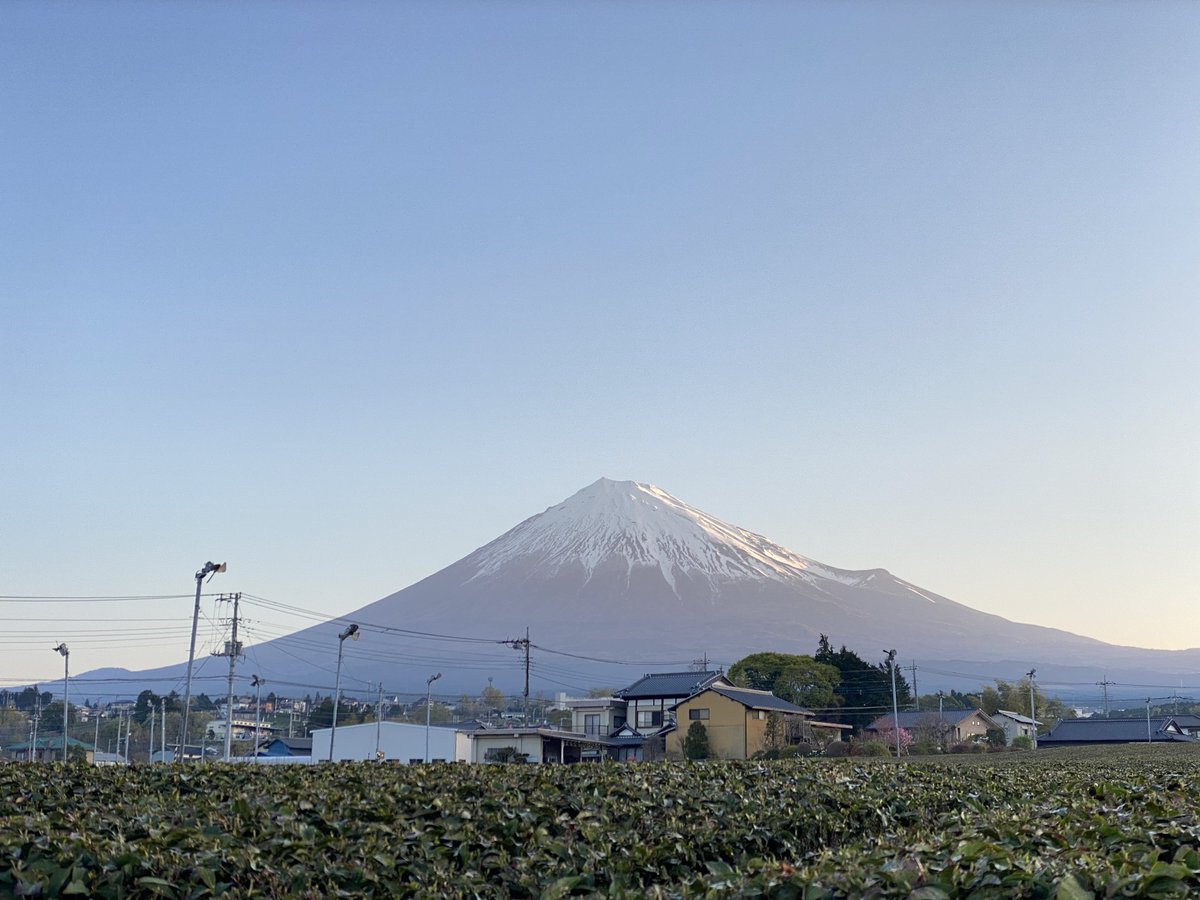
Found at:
(66, 655)
(150, 746)
(895, 709)
(37, 715)
(1149, 738)
(1032, 707)
(96, 740)
(163, 738)
(523, 644)
(916, 693)
(233, 649)
(378, 721)
(941, 721)
(1104, 685)
(258, 683)
(210, 568)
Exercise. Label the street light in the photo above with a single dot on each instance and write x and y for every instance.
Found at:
(209, 569)
(350, 632)
(257, 683)
(428, 695)
(891, 657)
(66, 655)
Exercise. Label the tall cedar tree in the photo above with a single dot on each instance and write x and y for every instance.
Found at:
(865, 690)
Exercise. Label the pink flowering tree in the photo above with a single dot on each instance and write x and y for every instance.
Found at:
(888, 736)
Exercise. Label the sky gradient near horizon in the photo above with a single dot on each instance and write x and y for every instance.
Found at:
(340, 292)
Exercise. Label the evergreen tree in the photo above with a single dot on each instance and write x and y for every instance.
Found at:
(864, 690)
(695, 745)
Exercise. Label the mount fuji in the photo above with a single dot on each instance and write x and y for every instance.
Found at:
(622, 578)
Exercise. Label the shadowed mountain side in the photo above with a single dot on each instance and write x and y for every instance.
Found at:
(625, 573)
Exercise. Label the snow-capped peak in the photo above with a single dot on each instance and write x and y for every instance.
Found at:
(644, 526)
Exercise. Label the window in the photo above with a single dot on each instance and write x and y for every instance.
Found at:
(697, 714)
(760, 714)
(591, 723)
(649, 718)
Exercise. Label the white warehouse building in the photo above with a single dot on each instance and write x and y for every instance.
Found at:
(394, 741)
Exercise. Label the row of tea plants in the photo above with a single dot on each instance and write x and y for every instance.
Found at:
(1048, 824)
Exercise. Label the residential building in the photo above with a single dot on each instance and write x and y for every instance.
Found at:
(735, 719)
(1015, 724)
(1131, 730)
(532, 744)
(649, 700)
(950, 726)
(596, 716)
(286, 746)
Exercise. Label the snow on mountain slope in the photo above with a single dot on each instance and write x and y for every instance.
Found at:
(646, 527)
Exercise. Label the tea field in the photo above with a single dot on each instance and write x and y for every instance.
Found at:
(1060, 824)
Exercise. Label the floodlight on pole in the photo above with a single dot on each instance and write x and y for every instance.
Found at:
(895, 706)
(350, 632)
(428, 698)
(66, 655)
(209, 569)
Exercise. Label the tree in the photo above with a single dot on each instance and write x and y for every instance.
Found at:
(493, 700)
(773, 735)
(146, 706)
(864, 690)
(808, 683)
(793, 677)
(1014, 696)
(887, 737)
(695, 745)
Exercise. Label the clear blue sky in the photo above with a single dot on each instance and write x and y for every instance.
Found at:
(339, 292)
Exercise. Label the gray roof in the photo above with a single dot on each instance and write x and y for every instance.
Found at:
(1112, 731)
(668, 684)
(919, 718)
(292, 743)
(1017, 717)
(758, 699)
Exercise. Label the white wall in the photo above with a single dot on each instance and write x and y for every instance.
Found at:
(399, 741)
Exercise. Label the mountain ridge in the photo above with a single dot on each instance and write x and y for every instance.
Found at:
(624, 572)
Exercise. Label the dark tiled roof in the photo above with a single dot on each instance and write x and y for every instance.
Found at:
(668, 684)
(921, 718)
(1110, 731)
(292, 743)
(54, 743)
(759, 700)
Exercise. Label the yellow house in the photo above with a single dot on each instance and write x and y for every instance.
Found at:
(735, 719)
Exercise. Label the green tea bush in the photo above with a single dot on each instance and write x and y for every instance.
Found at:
(1054, 823)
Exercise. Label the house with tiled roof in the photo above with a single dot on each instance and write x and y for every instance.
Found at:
(1131, 730)
(735, 719)
(1015, 724)
(947, 726)
(649, 700)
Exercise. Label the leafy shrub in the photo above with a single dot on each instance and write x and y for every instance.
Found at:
(1022, 742)
(874, 748)
(837, 749)
(924, 746)
(996, 737)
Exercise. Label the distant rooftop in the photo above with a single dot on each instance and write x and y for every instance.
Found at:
(668, 684)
